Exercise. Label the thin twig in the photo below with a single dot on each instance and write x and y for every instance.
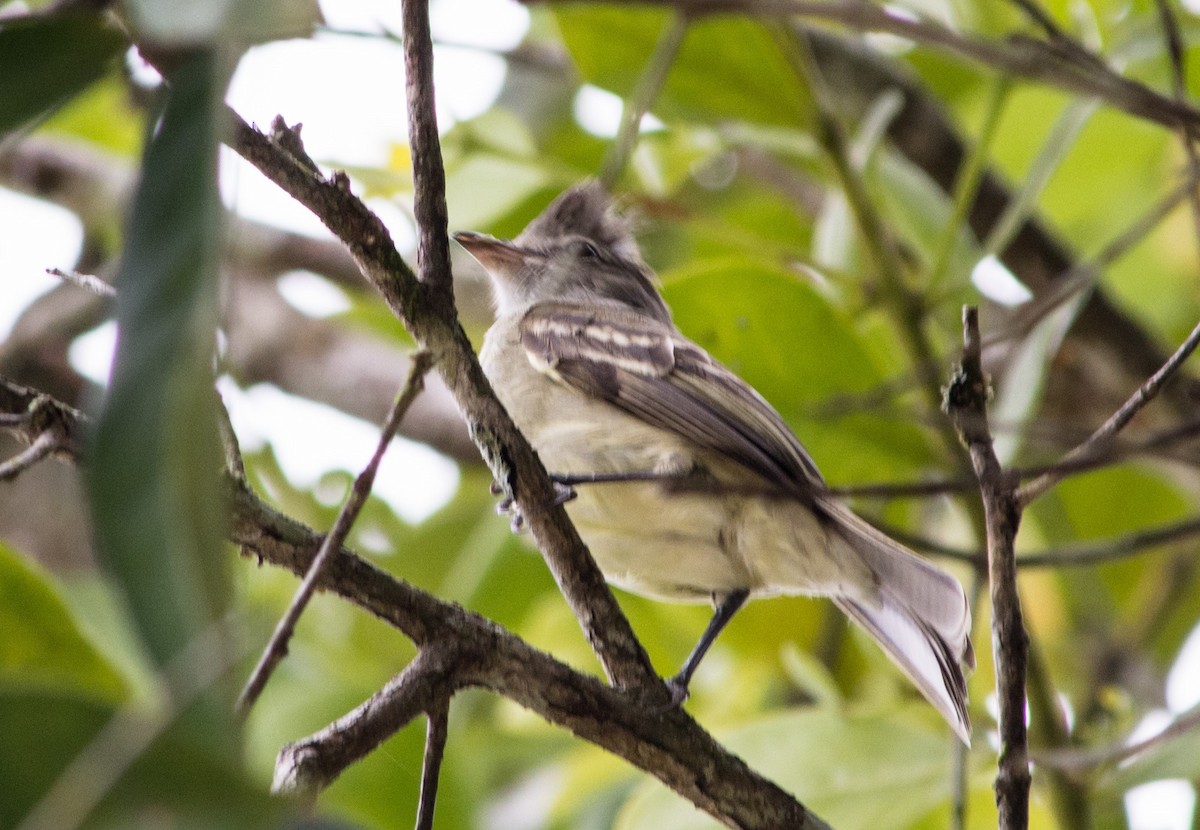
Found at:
(1122, 547)
(276, 649)
(1084, 760)
(649, 85)
(42, 446)
(311, 764)
(1101, 439)
(1066, 556)
(89, 282)
(966, 404)
(435, 750)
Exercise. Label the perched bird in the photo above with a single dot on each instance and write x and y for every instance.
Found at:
(689, 486)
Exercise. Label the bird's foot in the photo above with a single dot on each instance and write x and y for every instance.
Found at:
(677, 689)
(563, 493)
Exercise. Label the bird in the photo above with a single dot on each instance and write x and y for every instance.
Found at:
(683, 481)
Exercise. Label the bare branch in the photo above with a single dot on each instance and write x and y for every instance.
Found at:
(42, 446)
(1101, 439)
(966, 403)
(88, 282)
(460, 648)
(1080, 761)
(310, 765)
(609, 633)
(276, 648)
(1064, 556)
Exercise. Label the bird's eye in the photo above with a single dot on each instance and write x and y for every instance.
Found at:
(588, 251)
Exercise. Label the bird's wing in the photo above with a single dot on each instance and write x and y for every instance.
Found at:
(649, 370)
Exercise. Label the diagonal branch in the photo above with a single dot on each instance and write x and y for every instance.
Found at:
(430, 318)
(460, 648)
(609, 633)
(45, 444)
(1100, 440)
(276, 648)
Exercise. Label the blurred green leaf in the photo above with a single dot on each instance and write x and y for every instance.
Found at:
(42, 646)
(46, 61)
(710, 79)
(104, 115)
(42, 733)
(156, 457)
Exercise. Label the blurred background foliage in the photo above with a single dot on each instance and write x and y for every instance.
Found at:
(742, 210)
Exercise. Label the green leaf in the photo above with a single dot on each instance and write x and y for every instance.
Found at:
(156, 456)
(727, 67)
(46, 61)
(42, 733)
(42, 646)
(853, 771)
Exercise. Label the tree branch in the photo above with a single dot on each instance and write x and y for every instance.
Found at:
(1101, 439)
(459, 648)
(43, 445)
(276, 648)
(966, 403)
(431, 321)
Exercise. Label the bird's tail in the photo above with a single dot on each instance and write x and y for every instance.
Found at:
(918, 614)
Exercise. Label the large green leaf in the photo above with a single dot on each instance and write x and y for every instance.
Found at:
(45, 61)
(154, 464)
(42, 733)
(42, 646)
(727, 67)
(47, 736)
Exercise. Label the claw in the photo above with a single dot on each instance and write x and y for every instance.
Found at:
(677, 689)
(518, 522)
(496, 488)
(505, 505)
(563, 493)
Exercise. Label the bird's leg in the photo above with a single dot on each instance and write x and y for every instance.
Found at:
(726, 607)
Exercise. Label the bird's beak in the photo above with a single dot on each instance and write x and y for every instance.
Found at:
(500, 258)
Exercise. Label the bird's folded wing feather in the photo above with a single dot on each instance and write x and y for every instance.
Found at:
(649, 370)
